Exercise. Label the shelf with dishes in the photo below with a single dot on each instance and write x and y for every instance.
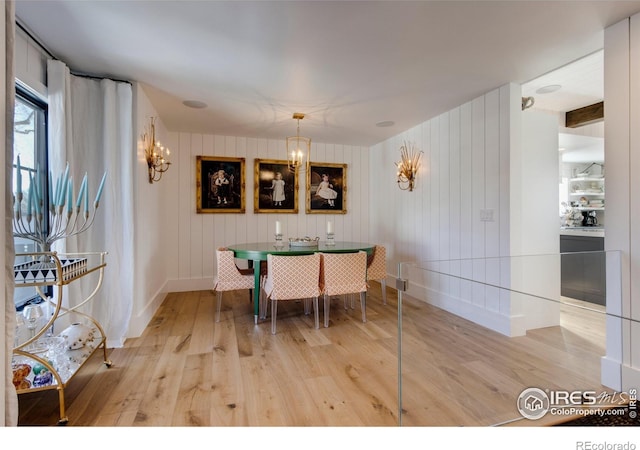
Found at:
(588, 201)
(590, 208)
(587, 186)
(43, 356)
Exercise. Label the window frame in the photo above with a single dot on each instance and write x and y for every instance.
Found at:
(25, 95)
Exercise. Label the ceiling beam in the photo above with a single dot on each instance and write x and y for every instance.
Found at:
(584, 116)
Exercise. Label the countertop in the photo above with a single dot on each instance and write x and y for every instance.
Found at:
(582, 231)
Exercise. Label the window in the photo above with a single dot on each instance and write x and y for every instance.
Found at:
(30, 143)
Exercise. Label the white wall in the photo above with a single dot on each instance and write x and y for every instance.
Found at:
(191, 238)
(465, 164)
(467, 170)
(535, 241)
(30, 64)
(152, 227)
(621, 365)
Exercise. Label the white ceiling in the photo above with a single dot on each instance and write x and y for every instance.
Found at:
(581, 84)
(347, 64)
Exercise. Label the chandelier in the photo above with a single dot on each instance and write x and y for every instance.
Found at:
(408, 166)
(155, 154)
(298, 148)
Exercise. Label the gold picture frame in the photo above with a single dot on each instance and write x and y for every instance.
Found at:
(220, 184)
(275, 187)
(326, 188)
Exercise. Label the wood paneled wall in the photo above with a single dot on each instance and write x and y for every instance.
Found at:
(194, 237)
(621, 365)
(465, 171)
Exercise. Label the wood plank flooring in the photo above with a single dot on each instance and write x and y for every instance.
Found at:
(187, 370)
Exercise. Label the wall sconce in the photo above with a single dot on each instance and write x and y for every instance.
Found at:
(527, 102)
(298, 148)
(408, 166)
(156, 155)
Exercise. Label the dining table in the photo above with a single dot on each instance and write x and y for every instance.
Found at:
(257, 252)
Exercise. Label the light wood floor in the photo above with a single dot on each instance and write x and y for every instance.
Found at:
(187, 370)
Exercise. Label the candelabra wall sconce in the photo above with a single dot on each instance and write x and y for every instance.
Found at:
(408, 166)
(64, 216)
(156, 155)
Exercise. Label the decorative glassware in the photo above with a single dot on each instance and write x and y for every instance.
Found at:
(33, 313)
(330, 240)
(19, 324)
(330, 233)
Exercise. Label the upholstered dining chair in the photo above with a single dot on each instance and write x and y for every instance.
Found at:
(377, 269)
(229, 277)
(292, 278)
(342, 274)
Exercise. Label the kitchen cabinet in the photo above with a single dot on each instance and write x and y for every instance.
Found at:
(583, 268)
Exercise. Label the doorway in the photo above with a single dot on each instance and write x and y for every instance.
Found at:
(581, 204)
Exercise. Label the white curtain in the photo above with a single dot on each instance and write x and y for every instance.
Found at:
(91, 128)
(10, 396)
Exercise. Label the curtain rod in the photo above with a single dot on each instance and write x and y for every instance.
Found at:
(46, 50)
(33, 38)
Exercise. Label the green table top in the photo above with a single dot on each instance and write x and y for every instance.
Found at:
(258, 251)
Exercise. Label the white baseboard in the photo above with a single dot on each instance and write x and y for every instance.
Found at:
(508, 324)
(630, 378)
(618, 376)
(139, 322)
(189, 284)
(493, 320)
(610, 373)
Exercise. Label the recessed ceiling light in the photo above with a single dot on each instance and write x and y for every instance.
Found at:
(385, 123)
(194, 104)
(548, 89)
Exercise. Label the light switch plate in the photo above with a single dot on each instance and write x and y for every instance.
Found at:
(486, 215)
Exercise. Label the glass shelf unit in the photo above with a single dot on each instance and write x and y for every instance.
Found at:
(43, 360)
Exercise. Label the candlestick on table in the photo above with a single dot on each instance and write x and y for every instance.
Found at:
(278, 234)
(330, 234)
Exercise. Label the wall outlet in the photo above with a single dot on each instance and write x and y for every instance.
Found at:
(486, 215)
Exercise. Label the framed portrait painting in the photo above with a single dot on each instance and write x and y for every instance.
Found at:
(326, 188)
(275, 187)
(219, 184)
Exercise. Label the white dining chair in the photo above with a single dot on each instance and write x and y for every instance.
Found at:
(229, 277)
(377, 269)
(343, 274)
(292, 278)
